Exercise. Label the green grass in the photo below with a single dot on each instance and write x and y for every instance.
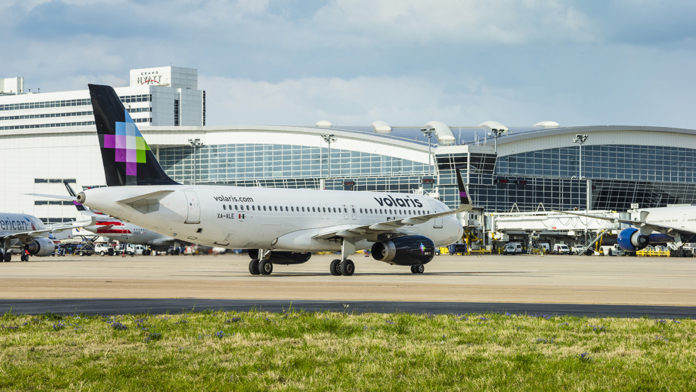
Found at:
(342, 351)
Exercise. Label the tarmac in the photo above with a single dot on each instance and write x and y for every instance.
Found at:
(533, 284)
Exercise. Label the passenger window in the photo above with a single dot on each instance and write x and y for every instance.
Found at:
(264, 208)
(224, 207)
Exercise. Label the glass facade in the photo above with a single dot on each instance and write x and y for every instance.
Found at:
(651, 176)
(277, 165)
(549, 179)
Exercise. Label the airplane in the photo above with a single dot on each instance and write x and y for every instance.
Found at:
(29, 233)
(116, 230)
(279, 226)
(675, 225)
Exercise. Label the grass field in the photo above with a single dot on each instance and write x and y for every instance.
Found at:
(344, 351)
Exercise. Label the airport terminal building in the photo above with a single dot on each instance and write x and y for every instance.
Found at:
(507, 169)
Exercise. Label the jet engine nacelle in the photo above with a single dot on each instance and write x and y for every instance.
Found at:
(283, 258)
(408, 250)
(631, 239)
(41, 247)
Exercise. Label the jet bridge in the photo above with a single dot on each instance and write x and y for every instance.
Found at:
(551, 223)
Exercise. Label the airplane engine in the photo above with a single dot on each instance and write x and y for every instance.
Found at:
(631, 239)
(408, 250)
(283, 258)
(41, 247)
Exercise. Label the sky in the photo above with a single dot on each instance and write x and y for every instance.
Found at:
(406, 62)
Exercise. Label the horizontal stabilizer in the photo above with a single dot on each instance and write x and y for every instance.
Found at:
(54, 197)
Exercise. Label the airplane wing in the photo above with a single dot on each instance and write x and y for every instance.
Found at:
(397, 225)
(390, 226)
(645, 227)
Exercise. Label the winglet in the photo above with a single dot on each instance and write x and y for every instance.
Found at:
(465, 203)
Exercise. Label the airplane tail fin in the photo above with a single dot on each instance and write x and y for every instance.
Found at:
(126, 156)
(465, 202)
(72, 193)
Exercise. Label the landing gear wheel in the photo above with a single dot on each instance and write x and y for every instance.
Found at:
(265, 267)
(335, 267)
(7, 257)
(254, 267)
(347, 267)
(417, 269)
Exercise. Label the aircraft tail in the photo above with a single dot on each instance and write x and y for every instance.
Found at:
(126, 156)
(464, 198)
(77, 204)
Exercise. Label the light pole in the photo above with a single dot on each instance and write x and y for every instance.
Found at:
(195, 143)
(580, 139)
(428, 132)
(496, 134)
(328, 138)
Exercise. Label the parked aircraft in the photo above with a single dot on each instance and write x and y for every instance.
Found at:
(675, 225)
(117, 230)
(28, 233)
(281, 226)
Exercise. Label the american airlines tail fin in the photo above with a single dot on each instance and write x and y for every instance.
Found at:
(126, 156)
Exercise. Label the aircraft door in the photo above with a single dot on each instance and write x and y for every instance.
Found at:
(193, 207)
(345, 212)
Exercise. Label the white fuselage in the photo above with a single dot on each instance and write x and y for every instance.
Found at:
(264, 218)
(18, 223)
(679, 217)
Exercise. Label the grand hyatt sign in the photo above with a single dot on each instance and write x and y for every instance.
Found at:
(151, 78)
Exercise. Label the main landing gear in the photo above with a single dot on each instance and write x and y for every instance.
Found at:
(417, 269)
(344, 266)
(5, 256)
(262, 266)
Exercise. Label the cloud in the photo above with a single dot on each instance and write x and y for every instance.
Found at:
(456, 21)
(357, 101)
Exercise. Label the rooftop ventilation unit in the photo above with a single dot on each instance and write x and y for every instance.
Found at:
(381, 127)
(443, 133)
(547, 124)
(494, 126)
